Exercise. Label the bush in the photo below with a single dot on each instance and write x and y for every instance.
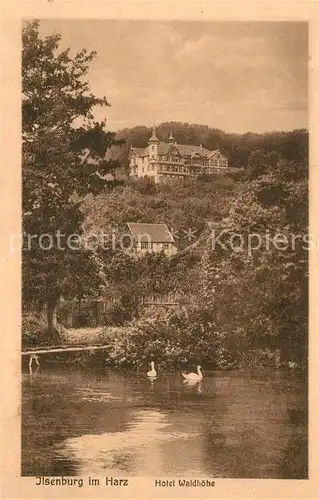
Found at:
(259, 358)
(123, 312)
(172, 341)
(34, 329)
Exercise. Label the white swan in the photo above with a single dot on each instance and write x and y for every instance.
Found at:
(152, 373)
(193, 377)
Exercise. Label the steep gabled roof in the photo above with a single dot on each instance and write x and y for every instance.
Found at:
(164, 148)
(189, 150)
(216, 152)
(155, 233)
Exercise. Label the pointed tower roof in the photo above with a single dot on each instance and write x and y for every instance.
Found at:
(153, 138)
(171, 137)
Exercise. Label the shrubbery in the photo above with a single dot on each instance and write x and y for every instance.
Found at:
(35, 330)
(259, 358)
(171, 341)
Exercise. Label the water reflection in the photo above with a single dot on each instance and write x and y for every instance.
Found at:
(228, 425)
(33, 371)
(134, 449)
(193, 385)
(151, 382)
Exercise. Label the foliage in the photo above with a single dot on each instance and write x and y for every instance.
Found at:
(238, 147)
(240, 303)
(258, 296)
(34, 330)
(132, 278)
(171, 341)
(259, 358)
(124, 311)
(263, 290)
(186, 205)
(63, 153)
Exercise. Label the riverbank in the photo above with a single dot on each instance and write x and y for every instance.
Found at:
(34, 333)
(172, 342)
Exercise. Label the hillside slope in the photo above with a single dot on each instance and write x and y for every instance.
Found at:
(183, 206)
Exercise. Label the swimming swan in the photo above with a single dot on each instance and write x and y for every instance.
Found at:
(193, 377)
(152, 373)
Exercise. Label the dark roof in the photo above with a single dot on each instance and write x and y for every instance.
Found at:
(156, 233)
(164, 147)
(183, 149)
(189, 150)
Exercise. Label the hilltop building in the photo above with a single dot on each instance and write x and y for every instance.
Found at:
(164, 161)
(151, 238)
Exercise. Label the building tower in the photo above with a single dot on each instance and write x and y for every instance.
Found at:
(171, 139)
(153, 143)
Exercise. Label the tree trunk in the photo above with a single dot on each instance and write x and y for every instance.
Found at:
(52, 318)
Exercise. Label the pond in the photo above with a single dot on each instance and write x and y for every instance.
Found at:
(231, 425)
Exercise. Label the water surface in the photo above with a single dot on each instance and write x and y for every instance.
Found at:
(232, 425)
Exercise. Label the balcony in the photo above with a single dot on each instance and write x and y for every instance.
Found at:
(171, 162)
(196, 165)
(163, 171)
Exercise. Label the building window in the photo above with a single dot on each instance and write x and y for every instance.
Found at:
(144, 245)
(165, 246)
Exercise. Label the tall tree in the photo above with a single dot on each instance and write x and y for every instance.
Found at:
(257, 282)
(63, 154)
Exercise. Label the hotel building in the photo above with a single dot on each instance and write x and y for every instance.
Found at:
(164, 161)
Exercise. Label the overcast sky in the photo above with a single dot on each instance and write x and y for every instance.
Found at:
(234, 76)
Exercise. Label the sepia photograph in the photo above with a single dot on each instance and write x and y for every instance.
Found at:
(165, 248)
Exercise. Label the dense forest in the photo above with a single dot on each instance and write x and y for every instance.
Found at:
(237, 147)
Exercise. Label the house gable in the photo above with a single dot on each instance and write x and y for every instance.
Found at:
(173, 150)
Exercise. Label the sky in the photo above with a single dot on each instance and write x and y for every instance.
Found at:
(234, 76)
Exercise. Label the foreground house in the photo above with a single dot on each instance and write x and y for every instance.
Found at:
(164, 161)
(151, 238)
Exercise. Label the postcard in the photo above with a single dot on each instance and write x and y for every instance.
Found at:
(160, 249)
